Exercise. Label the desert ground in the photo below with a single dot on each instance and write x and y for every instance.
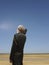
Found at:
(29, 59)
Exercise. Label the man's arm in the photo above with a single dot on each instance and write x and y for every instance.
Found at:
(12, 51)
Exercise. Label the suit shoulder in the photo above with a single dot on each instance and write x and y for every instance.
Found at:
(15, 34)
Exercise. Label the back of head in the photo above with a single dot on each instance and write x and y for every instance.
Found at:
(21, 29)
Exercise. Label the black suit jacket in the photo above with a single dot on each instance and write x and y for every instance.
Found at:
(18, 45)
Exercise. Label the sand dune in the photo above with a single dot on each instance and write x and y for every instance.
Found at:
(29, 59)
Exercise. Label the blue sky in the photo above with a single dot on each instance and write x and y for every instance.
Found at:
(34, 15)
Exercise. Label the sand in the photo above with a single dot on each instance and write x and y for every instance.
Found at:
(29, 59)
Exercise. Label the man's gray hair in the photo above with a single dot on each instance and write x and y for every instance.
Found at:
(20, 28)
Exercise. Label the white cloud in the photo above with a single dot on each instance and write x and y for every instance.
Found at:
(6, 26)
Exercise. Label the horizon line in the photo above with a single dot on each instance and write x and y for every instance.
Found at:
(27, 53)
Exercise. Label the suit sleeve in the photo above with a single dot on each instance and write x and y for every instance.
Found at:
(12, 50)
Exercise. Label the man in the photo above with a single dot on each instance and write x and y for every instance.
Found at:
(16, 55)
